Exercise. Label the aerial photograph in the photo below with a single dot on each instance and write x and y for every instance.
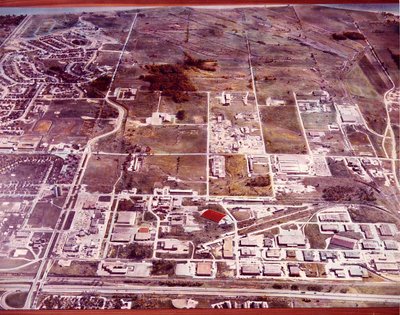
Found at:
(200, 157)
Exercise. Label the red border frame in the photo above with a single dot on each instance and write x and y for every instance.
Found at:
(88, 3)
(273, 311)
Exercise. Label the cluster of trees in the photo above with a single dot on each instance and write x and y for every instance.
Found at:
(163, 267)
(181, 114)
(259, 181)
(171, 80)
(138, 252)
(202, 64)
(348, 193)
(348, 35)
(79, 42)
(59, 71)
(101, 83)
(10, 20)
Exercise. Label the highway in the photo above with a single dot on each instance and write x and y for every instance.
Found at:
(226, 292)
(16, 30)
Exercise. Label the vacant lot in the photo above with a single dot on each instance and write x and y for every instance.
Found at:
(159, 171)
(318, 121)
(44, 214)
(144, 104)
(77, 269)
(360, 142)
(366, 214)
(282, 130)
(17, 299)
(130, 251)
(42, 126)
(374, 73)
(369, 100)
(237, 182)
(316, 239)
(102, 173)
(169, 139)
(194, 110)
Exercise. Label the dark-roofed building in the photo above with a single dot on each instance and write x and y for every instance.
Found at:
(294, 270)
(330, 227)
(324, 256)
(343, 241)
(352, 255)
(250, 270)
(391, 245)
(369, 244)
(367, 231)
(272, 270)
(308, 255)
(268, 242)
(386, 230)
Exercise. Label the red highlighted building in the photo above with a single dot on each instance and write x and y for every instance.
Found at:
(213, 215)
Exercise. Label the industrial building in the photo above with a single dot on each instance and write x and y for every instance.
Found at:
(343, 241)
(292, 238)
(218, 166)
(272, 270)
(293, 165)
(204, 269)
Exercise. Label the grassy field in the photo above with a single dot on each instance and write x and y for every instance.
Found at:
(102, 173)
(282, 130)
(44, 214)
(11, 263)
(316, 239)
(369, 100)
(17, 299)
(43, 126)
(359, 141)
(370, 215)
(318, 121)
(77, 268)
(237, 182)
(194, 109)
(155, 170)
(175, 139)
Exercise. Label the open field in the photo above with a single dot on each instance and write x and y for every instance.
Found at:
(318, 121)
(182, 172)
(16, 300)
(360, 142)
(42, 126)
(176, 139)
(282, 130)
(369, 100)
(102, 173)
(316, 239)
(193, 111)
(44, 214)
(144, 104)
(237, 182)
(77, 269)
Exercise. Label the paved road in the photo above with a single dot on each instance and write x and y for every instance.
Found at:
(226, 292)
